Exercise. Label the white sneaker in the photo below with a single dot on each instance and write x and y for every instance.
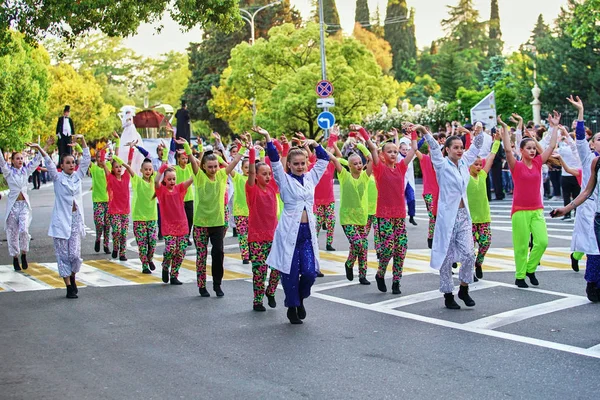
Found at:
(556, 198)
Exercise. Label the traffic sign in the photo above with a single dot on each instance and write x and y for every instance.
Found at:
(324, 89)
(329, 102)
(326, 120)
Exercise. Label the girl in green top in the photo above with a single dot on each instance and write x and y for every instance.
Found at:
(240, 209)
(210, 184)
(100, 202)
(479, 206)
(183, 171)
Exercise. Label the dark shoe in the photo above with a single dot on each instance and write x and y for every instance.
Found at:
(324, 226)
(122, 258)
(151, 265)
(566, 218)
(70, 293)
(454, 265)
(175, 281)
(533, 279)
(114, 254)
(430, 243)
(97, 246)
(320, 274)
(146, 271)
(235, 234)
(106, 250)
(412, 221)
(521, 283)
(574, 263)
(203, 292)
(259, 307)
(463, 294)
(24, 264)
(16, 265)
(475, 278)
(73, 284)
(449, 302)
(292, 314)
(349, 273)
(246, 262)
(364, 281)
(218, 291)
(165, 275)
(329, 248)
(271, 301)
(479, 272)
(160, 237)
(396, 288)
(592, 292)
(301, 311)
(189, 243)
(381, 284)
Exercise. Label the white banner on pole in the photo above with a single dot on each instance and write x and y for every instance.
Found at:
(485, 111)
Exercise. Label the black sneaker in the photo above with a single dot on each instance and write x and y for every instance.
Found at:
(24, 264)
(16, 265)
(363, 281)
(234, 234)
(381, 284)
(271, 301)
(203, 292)
(106, 250)
(151, 265)
(412, 221)
(123, 258)
(70, 293)
(479, 272)
(146, 271)
(574, 263)
(430, 243)
(320, 274)
(97, 246)
(449, 302)
(463, 294)
(396, 288)
(521, 283)
(292, 314)
(246, 262)
(592, 292)
(454, 265)
(73, 284)
(218, 291)
(329, 248)
(533, 279)
(349, 273)
(114, 254)
(259, 307)
(175, 281)
(301, 311)
(165, 275)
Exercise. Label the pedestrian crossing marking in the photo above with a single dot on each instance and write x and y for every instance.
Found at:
(544, 262)
(46, 275)
(560, 254)
(227, 274)
(370, 264)
(123, 271)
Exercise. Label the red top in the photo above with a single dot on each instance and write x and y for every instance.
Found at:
(118, 194)
(390, 190)
(528, 183)
(173, 221)
(262, 215)
(324, 189)
(430, 185)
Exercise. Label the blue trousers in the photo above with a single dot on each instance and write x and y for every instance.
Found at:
(409, 194)
(298, 282)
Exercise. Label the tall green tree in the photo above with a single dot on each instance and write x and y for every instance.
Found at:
(495, 43)
(376, 26)
(455, 69)
(331, 17)
(586, 26)
(464, 27)
(400, 33)
(541, 32)
(362, 15)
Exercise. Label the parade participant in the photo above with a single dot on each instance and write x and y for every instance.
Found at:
(570, 184)
(129, 135)
(64, 131)
(144, 212)
(210, 183)
(240, 208)
(527, 212)
(391, 228)
(409, 180)
(67, 223)
(261, 195)
(452, 240)
(479, 205)
(175, 229)
(100, 201)
(18, 207)
(431, 190)
(184, 171)
(297, 260)
(325, 204)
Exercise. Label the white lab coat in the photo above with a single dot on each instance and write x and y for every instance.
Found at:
(17, 180)
(584, 238)
(453, 182)
(67, 190)
(296, 198)
(409, 177)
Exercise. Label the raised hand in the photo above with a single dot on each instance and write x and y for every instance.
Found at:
(499, 118)
(180, 140)
(516, 117)
(355, 127)
(216, 136)
(115, 134)
(260, 131)
(132, 144)
(575, 102)
(554, 118)
(420, 129)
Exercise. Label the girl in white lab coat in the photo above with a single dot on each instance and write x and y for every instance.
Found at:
(18, 207)
(295, 250)
(452, 239)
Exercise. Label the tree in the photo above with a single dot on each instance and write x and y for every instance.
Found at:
(284, 70)
(362, 15)
(495, 73)
(380, 48)
(455, 69)
(540, 32)
(331, 17)
(400, 33)
(25, 83)
(586, 23)
(169, 76)
(463, 26)
(71, 19)
(423, 88)
(495, 43)
(376, 26)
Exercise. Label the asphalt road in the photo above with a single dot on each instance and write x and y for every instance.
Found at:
(146, 340)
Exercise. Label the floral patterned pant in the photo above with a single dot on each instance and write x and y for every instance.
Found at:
(174, 254)
(201, 236)
(146, 234)
(429, 204)
(482, 235)
(119, 224)
(392, 243)
(372, 222)
(17, 229)
(259, 252)
(227, 218)
(241, 224)
(359, 247)
(102, 221)
(460, 249)
(68, 251)
(325, 213)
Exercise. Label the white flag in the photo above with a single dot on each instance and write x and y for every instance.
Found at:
(485, 111)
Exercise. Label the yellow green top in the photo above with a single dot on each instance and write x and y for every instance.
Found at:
(209, 207)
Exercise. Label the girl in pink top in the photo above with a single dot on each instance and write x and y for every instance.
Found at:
(261, 196)
(174, 223)
(325, 205)
(391, 207)
(431, 190)
(117, 185)
(527, 209)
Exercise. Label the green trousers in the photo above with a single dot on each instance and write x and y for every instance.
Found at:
(524, 224)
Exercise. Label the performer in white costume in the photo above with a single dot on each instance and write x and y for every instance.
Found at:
(130, 134)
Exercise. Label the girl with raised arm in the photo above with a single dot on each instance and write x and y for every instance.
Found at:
(431, 191)
(240, 207)
(295, 251)
(527, 212)
(18, 207)
(100, 201)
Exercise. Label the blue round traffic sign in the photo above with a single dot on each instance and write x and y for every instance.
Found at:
(326, 120)
(324, 89)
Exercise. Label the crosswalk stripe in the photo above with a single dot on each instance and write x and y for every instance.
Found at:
(122, 271)
(227, 274)
(45, 275)
(545, 262)
(370, 264)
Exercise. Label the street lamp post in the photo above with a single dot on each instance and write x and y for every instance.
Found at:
(536, 104)
(249, 18)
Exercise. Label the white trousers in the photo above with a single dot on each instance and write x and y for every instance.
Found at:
(17, 229)
(68, 251)
(460, 250)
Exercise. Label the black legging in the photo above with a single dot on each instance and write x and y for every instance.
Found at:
(189, 212)
(555, 180)
(497, 179)
(35, 177)
(215, 235)
(570, 189)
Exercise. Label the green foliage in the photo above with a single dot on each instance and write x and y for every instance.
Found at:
(331, 17)
(495, 43)
(423, 88)
(585, 28)
(24, 83)
(456, 69)
(169, 76)
(380, 48)
(70, 19)
(495, 73)
(400, 33)
(464, 27)
(362, 15)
